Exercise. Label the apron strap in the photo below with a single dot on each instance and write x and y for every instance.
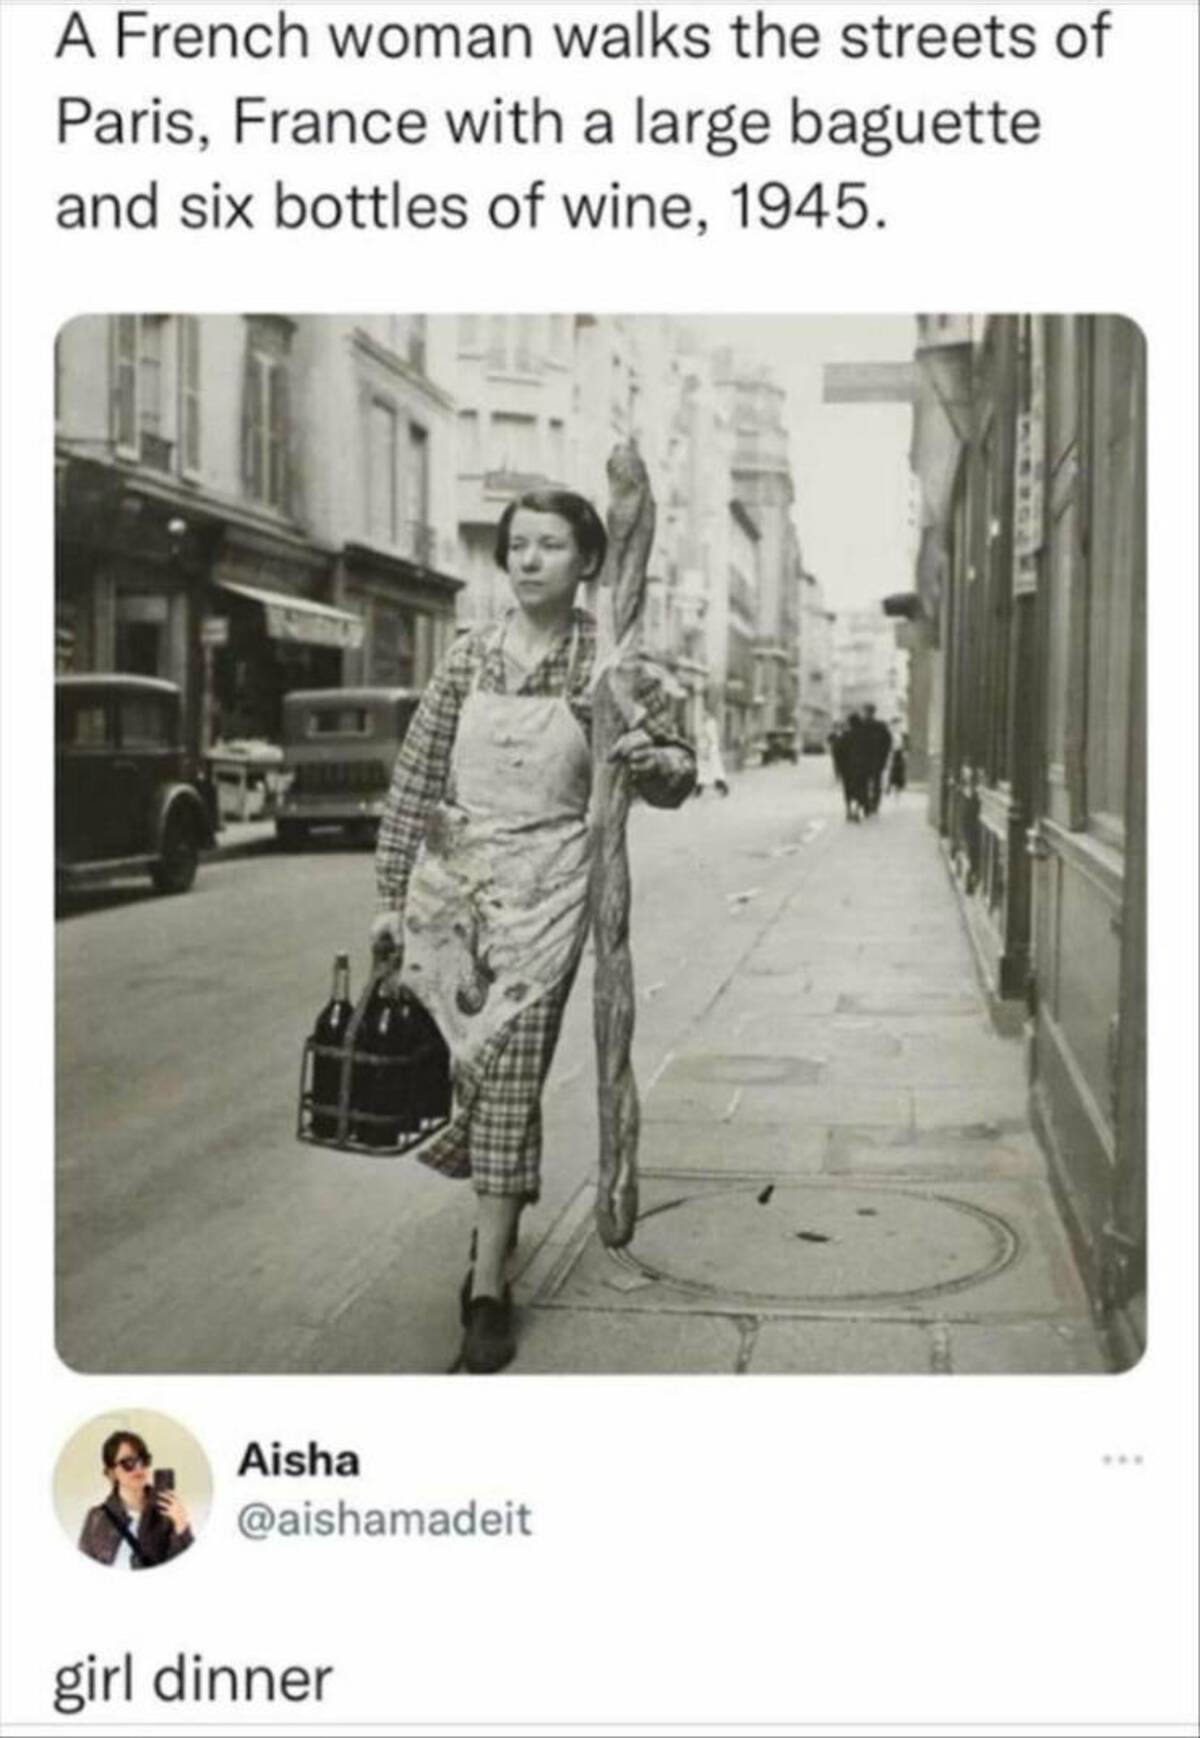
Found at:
(572, 655)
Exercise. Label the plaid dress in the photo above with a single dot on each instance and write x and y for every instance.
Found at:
(495, 1135)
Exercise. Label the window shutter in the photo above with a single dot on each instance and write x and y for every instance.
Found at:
(190, 391)
(279, 480)
(124, 384)
(252, 476)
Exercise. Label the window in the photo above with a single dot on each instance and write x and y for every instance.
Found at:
(497, 341)
(1114, 509)
(382, 466)
(469, 458)
(416, 340)
(189, 392)
(82, 724)
(267, 412)
(141, 630)
(156, 389)
(151, 329)
(1063, 563)
(146, 721)
(338, 721)
(125, 354)
(997, 575)
(514, 443)
(424, 662)
(524, 357)
(557, 455)
(417, 477)
(392, 647)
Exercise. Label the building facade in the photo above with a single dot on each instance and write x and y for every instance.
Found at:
(514, 387)
(1031, 589)
(815, 697)
(869, 667)
(254, 503)
(381, 444)
(764, 492)
(207, 528)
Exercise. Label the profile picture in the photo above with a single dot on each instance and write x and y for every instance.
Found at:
(133, 1489)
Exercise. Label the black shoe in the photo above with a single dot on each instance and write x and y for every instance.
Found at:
(464, 1290)
(490, 1342)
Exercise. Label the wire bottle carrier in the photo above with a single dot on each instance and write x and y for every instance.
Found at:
(360, 1099)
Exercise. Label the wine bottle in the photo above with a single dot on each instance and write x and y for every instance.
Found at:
(330, 1033)
(388, 1086)
(431, 1067)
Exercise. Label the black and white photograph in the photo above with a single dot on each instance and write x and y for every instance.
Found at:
(595, 844)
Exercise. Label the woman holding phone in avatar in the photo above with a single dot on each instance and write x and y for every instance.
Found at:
(483, 861)
(138, 1525)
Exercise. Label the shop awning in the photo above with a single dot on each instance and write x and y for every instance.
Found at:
(301, 621)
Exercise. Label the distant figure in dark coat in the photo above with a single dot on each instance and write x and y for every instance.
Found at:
(877, 747)
(850, 749)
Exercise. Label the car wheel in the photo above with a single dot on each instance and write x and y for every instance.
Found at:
(291, 835)
(176, 868)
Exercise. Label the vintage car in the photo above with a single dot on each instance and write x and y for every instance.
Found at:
(128, 798)
(339, 748)
(779, 745)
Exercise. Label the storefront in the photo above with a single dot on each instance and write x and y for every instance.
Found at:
(1042, 623)
(129, 574)
(267, 629)
(406, 614)
(272, 642)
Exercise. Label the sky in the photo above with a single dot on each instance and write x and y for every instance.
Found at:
(849, 461)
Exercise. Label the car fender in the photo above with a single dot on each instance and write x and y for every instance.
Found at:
(177, 798)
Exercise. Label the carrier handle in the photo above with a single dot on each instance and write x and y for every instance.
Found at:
(381, 966)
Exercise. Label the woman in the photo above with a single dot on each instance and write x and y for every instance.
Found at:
(898, 773)
(135, 1527)
(712, 767)
(482, 868)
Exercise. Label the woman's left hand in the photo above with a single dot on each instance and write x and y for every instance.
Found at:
(171, 1506)
(663, 773)
(637, 750)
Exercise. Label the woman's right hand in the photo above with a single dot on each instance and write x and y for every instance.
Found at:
(387, 939)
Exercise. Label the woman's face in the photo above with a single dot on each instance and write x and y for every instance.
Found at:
(545, 566)
(131, 1474)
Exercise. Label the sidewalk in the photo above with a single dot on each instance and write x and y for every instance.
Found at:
(242, 839)
(838, 1174)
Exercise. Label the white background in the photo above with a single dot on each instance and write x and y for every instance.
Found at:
(788, 1550)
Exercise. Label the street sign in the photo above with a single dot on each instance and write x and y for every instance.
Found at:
(214, 631)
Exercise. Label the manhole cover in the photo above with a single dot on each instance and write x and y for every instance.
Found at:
(819, 1243)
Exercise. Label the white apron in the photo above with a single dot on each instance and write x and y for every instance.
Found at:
(496, 910)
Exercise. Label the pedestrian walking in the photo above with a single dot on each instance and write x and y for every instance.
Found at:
(898, 771)
(711, 768)
(851, 751)
(876, 749)
(483, 863)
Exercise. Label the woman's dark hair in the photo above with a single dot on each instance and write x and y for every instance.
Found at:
(112, 1447)
(590, 536)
